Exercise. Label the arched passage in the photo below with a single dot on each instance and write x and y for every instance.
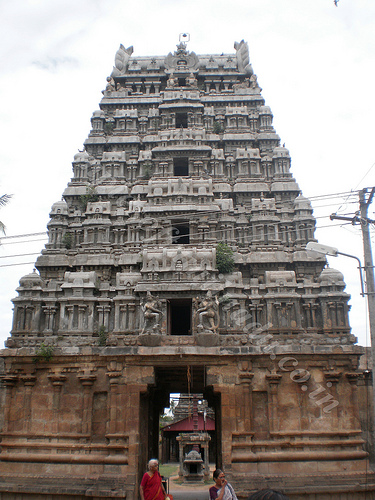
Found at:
(186, 379)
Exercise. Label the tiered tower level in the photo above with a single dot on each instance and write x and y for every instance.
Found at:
(182, 156)
(176, 262)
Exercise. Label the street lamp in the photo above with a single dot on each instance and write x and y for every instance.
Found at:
(312, 246)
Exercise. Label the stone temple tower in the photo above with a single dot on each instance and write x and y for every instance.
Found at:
(176, 263)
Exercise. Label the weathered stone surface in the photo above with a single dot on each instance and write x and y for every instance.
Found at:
(176, 262)
(150, 340)
(207, 339)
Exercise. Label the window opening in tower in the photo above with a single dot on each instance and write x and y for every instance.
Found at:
(181, 120)
(180, 316)
(180, 234)
(181, 167)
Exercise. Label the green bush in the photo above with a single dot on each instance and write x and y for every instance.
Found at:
(217, 128)
(44, 353)
(67, 240)
(90, 196)
(224, 258)
(102, 334)
(108, 128)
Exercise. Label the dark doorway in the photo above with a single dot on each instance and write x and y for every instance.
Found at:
(181, 167)
(181, 120)
(180, 316)
(180, 234)
(177, 379)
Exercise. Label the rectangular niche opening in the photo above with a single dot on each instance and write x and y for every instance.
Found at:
(181, 120)
(179, 316)
(182, 82)
(181, 167)
(181, 233)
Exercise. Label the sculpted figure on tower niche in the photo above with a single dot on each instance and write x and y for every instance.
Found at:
(151, 314)
(207, 313)
(191, 80)
(111, 84)
(172, 82)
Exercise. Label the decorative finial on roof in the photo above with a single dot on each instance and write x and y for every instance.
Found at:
(184, 37)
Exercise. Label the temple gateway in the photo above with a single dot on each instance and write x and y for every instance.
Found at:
(176, 262)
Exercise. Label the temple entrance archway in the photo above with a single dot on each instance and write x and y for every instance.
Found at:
(182, 379)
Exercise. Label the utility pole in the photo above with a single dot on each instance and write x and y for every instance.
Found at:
(361, 218)
(369, 269)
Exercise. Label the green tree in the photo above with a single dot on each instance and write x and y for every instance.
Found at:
(3, 201)
(168, 416)
(224, 258)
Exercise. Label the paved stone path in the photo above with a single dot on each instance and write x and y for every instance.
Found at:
(189, 492)
(190, 495)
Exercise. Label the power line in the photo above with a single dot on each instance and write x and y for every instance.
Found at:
(20, 242)
(18, 255)
(18, 264)
(22, 235)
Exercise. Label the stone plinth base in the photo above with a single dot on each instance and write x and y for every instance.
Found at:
(40, 488)
(314, 487)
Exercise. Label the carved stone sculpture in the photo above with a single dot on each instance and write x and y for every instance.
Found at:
(151, 314)
(207, 313)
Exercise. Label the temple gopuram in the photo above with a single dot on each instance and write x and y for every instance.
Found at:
(176, 262)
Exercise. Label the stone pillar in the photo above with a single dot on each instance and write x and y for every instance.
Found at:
(90, 317)
(81, 317)
(29, 313)
(228, 420)
(9, 380)
(131, 317)
(246, 378)
(273, 381)
(28, 380)
(70, 313)
(104, 310)
(353, 379)
(180, 457)
(49, 312)
(18, 318)
(35, 324)
(206, 458)
(114, 373)
(331, 397)
(87, 378)
(57, 380)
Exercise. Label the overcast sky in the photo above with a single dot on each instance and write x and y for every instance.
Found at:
(314, 62)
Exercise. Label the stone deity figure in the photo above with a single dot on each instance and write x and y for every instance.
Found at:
(207, 312)
(152, 314)
(191, 80)
(111, 84)
(254, 82)
(172, 82)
